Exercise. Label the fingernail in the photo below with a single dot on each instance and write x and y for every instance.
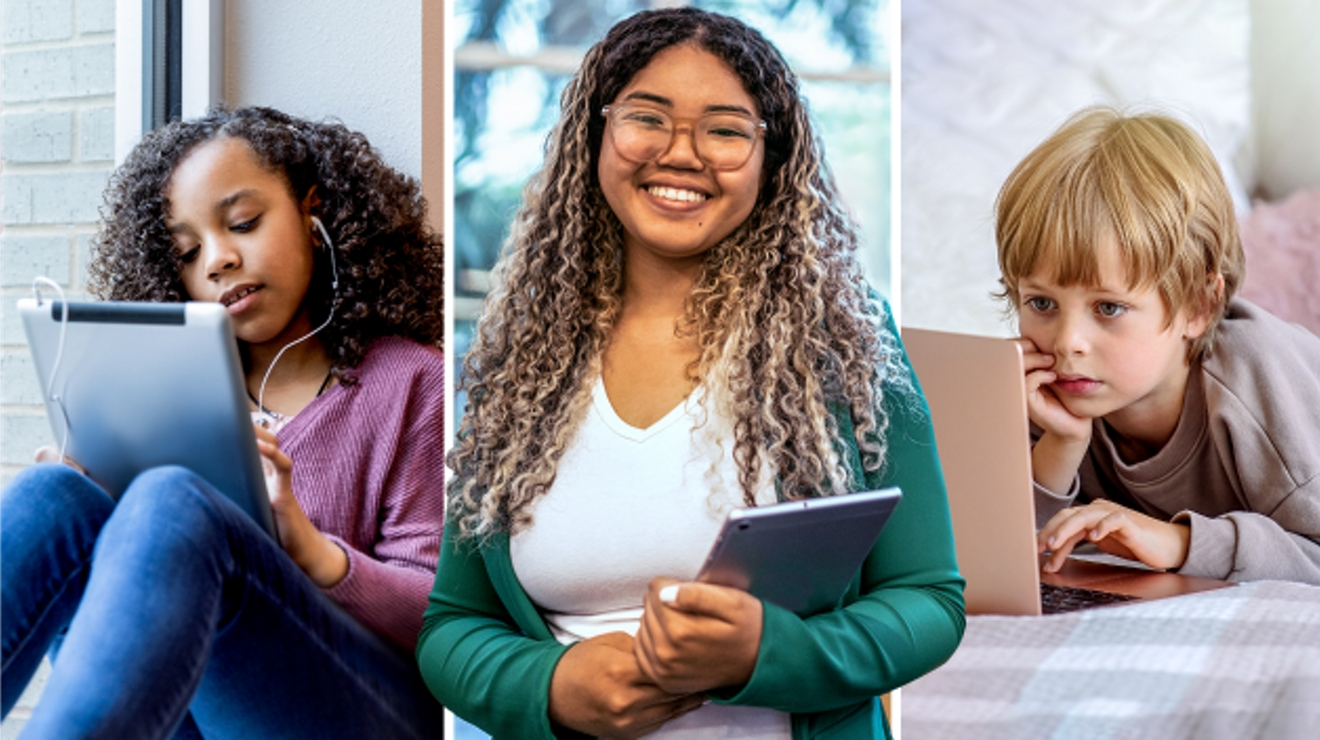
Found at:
(1095, 534)
(1052, 541)
(669, 594)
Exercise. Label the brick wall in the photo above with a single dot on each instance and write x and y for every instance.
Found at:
(56, 151)
(57, 148)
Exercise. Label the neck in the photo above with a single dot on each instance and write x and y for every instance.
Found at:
(304, 363)
(1142, 429)
(654, 287)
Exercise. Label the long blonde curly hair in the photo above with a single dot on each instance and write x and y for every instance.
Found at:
(786, 324)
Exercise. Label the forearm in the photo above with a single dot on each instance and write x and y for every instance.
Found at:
(1245, 546)
(387, 597)
(850, 655)
(489, 674)
(1054, 461)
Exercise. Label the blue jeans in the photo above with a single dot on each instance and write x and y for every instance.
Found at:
(182, 613)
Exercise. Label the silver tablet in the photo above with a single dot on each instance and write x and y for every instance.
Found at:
(147, 384)
(800, 555)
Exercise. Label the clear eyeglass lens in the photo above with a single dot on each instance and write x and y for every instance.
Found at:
(722, 140)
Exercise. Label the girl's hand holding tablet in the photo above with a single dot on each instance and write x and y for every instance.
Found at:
(322, 560)
(698, 636)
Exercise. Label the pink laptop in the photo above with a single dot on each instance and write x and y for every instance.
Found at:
(978, 404)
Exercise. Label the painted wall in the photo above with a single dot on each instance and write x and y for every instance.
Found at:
(359, 62)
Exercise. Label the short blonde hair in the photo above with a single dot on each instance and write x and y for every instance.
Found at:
(1145, 180)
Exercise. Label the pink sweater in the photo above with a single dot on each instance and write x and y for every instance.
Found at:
(368, 469)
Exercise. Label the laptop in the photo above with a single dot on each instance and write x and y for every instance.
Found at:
(978, 403)
(139, 385)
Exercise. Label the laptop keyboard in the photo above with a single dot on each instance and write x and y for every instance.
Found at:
(1061, 599)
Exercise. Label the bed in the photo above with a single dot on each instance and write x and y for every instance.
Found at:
(1240, 662)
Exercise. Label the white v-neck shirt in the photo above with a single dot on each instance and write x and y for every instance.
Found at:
(628, 505)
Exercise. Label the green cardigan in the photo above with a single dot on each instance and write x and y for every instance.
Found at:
(486, 653)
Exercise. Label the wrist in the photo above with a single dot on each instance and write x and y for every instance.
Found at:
(322, 560)
(1055, 460)
(1183, 537)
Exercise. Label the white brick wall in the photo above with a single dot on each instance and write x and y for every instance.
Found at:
(56, 151)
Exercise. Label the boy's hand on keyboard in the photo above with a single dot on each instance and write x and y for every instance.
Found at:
(1116, 530)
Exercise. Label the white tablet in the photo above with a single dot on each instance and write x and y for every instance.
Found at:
(800, 555)
(147, 384)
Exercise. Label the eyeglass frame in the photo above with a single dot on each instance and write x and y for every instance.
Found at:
(761, 131)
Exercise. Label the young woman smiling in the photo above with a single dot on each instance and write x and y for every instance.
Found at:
(680, 328)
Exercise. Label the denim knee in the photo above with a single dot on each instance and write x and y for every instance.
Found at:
(170, 499)
(54, 497)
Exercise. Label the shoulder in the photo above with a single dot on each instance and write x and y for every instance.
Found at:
(1255, 346)
(394, 361)
(1262, 384)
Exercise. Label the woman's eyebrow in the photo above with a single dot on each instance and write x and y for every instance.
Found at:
(650, 97)
(666, 102)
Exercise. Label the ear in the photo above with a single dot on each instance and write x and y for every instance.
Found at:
(1200, 321)
(310, 202)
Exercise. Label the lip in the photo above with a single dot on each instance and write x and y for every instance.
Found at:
(1076, 385)
(239, 298)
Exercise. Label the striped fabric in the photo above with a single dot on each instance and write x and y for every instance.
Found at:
(368, 469)
(1234, 663)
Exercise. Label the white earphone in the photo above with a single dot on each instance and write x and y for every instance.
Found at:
(330, 247)
(334, 286)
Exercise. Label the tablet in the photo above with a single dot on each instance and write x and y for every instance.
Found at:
(148, 384)
(800, 555)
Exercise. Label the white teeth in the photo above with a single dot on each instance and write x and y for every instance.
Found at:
(238, 296)
(686, 196)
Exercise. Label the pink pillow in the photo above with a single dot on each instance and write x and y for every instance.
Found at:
(1282, 245)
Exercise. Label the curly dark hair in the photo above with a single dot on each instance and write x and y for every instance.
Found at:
(781, 310)
(389, 261)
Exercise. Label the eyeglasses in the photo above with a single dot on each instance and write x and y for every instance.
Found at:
(641, 134)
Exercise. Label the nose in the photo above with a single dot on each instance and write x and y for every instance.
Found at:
(1072, 335)
(218, 257)
(682, 151)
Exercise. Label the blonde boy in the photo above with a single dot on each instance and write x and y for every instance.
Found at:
(1174, 424)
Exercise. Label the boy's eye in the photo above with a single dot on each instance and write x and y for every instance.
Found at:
(1109, 309)
(1039, 303)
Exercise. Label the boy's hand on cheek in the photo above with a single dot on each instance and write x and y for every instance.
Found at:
(1116, 530)
(1043, 406)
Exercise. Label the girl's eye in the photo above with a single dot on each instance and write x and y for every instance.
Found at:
(1039, 304)
(189, 255)
(245, 226)
(1110, 310)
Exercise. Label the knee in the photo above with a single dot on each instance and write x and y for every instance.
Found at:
(170, 493)
(58, 489)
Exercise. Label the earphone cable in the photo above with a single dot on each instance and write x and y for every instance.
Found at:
(334, 286)
(59, 355)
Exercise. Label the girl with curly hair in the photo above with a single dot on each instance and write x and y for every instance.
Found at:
(680, 327)
(173, 612)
